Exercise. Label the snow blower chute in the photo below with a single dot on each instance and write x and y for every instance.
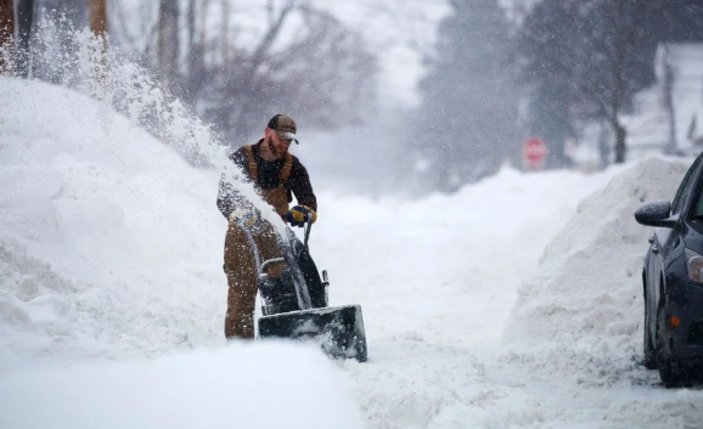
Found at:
(295, 305)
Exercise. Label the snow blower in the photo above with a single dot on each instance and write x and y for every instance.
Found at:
(294, 304)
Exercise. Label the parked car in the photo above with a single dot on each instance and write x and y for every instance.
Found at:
(672, 278)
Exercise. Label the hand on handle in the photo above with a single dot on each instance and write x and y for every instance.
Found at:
(299, 215)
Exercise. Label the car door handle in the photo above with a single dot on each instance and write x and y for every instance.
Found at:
(655, 249)
(651, 240)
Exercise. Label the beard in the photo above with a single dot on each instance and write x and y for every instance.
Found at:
(277, 151)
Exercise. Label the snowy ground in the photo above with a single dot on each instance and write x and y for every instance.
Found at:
(514, 303)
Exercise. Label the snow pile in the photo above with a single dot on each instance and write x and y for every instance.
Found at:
(102, 226)
(586, 299)
(241, 386)
(110, 241)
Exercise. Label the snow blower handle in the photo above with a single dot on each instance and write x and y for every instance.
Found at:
(308, 226)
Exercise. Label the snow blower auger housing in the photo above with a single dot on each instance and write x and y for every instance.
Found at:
(294, 305)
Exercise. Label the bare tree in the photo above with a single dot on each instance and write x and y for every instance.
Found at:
(25, 19)
(597, 51)
(195, 46)
(245, 82)
(320, 72)
(168, 40)
(327, 66)
(7, 32)
(618, 31)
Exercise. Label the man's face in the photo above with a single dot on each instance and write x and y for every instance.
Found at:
(278, 145)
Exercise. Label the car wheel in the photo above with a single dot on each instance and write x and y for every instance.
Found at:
(671, 373)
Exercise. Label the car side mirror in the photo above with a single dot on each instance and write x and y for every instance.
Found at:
(655, 214)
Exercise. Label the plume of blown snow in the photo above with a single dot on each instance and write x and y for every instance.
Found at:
(77, 59)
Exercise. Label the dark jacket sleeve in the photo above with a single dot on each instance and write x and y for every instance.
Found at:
(299, 183)
(228, 198)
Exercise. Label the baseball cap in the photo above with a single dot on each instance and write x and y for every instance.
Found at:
(284, 126)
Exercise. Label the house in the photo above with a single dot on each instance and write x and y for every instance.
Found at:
(668, 116)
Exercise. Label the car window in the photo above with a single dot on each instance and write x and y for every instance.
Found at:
(685, 188)
(698, 208)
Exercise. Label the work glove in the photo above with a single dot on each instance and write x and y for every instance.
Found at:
(298, 215)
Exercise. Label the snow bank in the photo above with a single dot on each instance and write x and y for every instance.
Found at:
(586, 299)
(241, 386)
(101, 224)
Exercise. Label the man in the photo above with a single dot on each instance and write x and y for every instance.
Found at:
(278, 176)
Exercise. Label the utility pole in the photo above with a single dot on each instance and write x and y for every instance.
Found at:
(167, 40)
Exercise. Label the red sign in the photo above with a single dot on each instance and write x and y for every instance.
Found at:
(534, 152)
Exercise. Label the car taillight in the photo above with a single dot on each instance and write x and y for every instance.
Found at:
(694, 262)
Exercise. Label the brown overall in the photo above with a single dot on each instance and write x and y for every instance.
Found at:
(240, 265)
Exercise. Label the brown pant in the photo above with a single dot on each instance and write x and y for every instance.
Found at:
(240, 268)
